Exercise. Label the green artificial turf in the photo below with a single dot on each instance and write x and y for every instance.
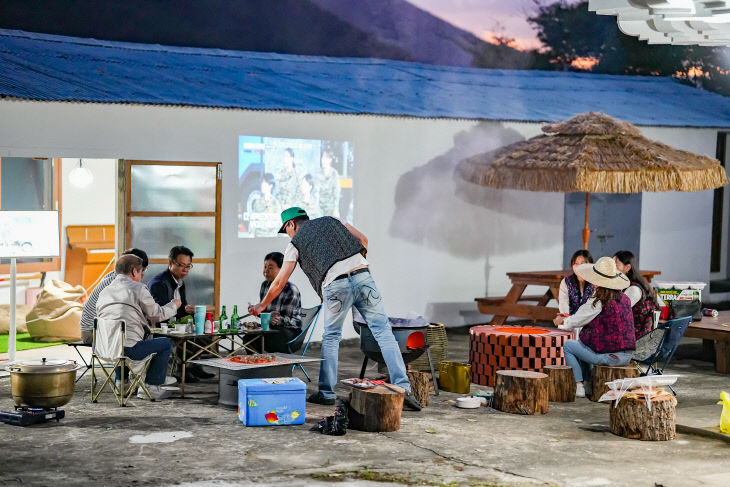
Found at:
(23, 342)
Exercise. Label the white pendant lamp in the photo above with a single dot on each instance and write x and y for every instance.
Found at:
(81, 177)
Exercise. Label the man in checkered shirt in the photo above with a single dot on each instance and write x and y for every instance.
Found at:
(285, 309)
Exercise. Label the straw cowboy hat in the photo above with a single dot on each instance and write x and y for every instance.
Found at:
(603, 274)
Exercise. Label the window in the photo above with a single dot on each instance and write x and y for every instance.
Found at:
(30, 184)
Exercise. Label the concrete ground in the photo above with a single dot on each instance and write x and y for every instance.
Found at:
(195, 442)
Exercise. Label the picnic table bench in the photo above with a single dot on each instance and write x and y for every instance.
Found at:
(514, 303)
(714, 332)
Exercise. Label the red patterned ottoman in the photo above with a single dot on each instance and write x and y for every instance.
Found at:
(493, 348)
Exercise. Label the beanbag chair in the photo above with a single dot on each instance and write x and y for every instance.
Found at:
(20, 311)
(57, 313)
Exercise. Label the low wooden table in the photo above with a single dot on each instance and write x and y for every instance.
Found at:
(191, 348)
(510, 305)
(714, 332)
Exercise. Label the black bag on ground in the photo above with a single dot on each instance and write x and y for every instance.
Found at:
(682, 308)
(335, 425)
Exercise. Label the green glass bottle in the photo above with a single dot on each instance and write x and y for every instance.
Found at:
(234, 319)
(222, 320)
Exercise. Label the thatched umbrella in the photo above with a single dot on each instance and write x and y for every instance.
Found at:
(592, 153)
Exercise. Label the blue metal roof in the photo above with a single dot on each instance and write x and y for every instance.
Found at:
(56, 68)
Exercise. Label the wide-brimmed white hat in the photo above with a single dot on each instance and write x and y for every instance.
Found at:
(603, 274)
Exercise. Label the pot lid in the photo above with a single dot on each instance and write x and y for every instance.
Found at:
(44, 366)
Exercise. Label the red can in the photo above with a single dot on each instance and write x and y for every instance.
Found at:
(664, 313)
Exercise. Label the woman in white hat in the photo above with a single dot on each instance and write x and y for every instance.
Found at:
(607, 337)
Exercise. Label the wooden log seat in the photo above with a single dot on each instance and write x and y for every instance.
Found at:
(493, 348)
(604, 373)
(631, 418)
(561, 383)
(376, 409)
(521, 392)
(421, 386)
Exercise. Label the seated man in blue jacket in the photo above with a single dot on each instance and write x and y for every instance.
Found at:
(169, 285)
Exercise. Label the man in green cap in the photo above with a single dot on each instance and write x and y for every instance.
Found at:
(331, 255)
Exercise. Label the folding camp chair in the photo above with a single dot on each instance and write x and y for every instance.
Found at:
(87, 365)
(107, 350)
(309, 320)
(655, 349)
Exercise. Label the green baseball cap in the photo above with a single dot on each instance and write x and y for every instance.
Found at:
(290, 214)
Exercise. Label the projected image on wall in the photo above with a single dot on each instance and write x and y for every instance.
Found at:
(276, 173)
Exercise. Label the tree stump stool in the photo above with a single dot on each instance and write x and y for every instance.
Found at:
(376, 409)
(421, 386)
(561, 383)
(521, 392)
(632, 419)
(604, 373)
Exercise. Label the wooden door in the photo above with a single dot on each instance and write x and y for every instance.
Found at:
(177, 203)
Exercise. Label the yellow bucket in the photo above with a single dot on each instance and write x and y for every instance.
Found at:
(455, 377)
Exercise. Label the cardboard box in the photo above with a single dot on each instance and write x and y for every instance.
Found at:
(684, 291)
(271, 402)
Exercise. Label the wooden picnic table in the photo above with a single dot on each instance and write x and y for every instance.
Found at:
(715, 332)
(513, 304)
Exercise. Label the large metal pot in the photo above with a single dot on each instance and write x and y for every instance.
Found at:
(43, 383)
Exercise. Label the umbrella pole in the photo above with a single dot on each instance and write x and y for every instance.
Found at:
(586, 230)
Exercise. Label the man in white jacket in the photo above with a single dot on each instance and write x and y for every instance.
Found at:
(126, 298)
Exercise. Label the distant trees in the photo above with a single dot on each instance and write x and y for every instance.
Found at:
(571, 33)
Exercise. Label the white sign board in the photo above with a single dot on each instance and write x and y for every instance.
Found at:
(29, 234)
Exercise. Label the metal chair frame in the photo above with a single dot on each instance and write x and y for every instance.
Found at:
(311, 325)
(666, 350)
(87, 365)
(121, 394)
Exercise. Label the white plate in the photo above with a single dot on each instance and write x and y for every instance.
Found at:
(468, 402)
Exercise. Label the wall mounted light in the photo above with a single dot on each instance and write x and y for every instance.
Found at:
(81, 176)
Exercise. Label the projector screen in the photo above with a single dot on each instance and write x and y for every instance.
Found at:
(277, 173)
(29, 234)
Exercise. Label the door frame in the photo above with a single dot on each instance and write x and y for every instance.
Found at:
(125, 189)
(720, 239)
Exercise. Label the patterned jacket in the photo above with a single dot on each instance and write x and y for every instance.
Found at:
(613, 329)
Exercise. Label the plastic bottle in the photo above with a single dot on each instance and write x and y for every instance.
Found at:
(208, 328)
(234, 319)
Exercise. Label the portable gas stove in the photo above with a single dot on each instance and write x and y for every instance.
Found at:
(25, 416)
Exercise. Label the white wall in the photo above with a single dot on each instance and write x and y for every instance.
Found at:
(435, 243)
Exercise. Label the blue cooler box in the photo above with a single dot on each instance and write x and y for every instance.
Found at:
(269, 402)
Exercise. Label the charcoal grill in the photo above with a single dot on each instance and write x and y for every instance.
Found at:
(412, 341)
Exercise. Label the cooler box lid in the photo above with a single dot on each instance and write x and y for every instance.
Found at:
(273, 385)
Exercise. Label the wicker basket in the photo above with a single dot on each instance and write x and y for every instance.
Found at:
(436, 335)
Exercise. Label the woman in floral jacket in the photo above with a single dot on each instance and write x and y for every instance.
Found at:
(608, 336)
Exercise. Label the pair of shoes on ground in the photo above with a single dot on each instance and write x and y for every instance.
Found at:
(583, 389)
(198, 372)
(169, 381)
(194, 374)
(157, 392)
(318, 398)
(409, 400)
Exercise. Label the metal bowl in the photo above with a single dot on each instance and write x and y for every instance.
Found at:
(42, 383)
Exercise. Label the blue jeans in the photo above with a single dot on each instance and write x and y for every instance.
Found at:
(341, 295)
(580, 357)
(157, 370)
